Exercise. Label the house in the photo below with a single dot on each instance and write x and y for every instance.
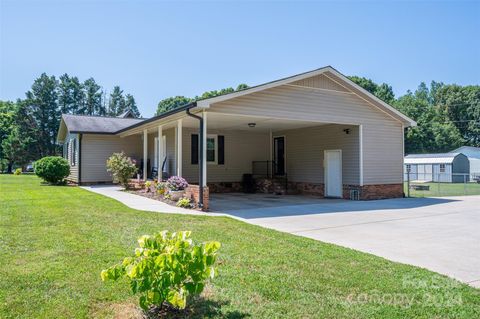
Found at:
(441, 167)
(318, 132)
(473, 154)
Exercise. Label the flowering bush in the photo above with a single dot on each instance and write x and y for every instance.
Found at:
(18, 171)
(121, 167)
(176, 183)
(167, 267)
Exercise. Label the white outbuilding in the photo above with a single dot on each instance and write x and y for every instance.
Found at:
(441, 167)
(473, 154)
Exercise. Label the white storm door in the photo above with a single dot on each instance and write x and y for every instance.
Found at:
(333, 173)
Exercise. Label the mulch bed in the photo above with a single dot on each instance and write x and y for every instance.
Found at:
(154, 195)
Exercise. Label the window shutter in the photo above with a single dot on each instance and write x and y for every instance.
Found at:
(221, 150)
(194, 149)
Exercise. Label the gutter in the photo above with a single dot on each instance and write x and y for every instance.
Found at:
(200, 159)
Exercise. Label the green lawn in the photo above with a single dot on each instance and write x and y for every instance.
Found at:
(54, 241)
(445, 189)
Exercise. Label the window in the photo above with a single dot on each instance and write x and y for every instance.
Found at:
(442, 168)
(73, 154)
(211, 149)
(409, 168)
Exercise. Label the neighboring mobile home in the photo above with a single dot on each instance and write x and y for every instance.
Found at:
(473, 154)
(318, 131)
(440, 167)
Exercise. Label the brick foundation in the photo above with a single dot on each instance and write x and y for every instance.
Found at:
(225, 187)
(193, 191)
(306, 188)
(381, 191)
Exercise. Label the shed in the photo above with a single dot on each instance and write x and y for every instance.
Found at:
(440, 167)
(473, 154)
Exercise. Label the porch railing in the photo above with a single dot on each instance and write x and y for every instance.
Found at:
(263, 169)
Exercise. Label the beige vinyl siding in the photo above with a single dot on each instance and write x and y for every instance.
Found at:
(241, 148)
(69, 140)
(382, 135)
(97, 148)
(305, 152)
(320, 82)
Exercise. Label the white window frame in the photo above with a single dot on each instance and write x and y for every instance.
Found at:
(73, 158)
(215, 137)
(442, 168)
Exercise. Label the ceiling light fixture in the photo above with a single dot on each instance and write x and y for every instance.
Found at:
(252, 124)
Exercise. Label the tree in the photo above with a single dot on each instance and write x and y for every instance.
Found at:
(7, 118)
(131, 105)
(71, 95)
(382, 91)
(177, 101)
(93, 99)
(116, 104)
(172, 103)
(42, 99)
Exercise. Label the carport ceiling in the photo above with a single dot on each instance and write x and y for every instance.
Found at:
(218, 121)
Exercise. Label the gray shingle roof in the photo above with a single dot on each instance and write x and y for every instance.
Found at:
(97, 124)
(436, 155)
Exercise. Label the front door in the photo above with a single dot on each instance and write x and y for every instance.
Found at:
(279, 155)
(333, 173)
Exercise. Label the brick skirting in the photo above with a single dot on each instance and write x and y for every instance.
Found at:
(381, 191)
(225, 187)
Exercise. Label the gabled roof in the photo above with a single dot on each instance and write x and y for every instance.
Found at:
(469, 151)
(93, 124)
(328, 70)
(437, 158)
(128, 113)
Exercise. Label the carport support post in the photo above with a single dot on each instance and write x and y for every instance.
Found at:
(160, 154)
(179, 147)
(204, 150)
(145, 154)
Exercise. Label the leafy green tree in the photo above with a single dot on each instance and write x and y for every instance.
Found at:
(7, 118)
(382, 91)
(131, 105)
(93, 99)
(177, 101)
(42, 99)
(172, 103)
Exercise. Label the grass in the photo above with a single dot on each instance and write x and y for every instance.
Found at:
(54, 241)
(445, 189)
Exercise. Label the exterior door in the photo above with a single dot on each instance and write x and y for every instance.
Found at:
(279, 155)
(333, 173)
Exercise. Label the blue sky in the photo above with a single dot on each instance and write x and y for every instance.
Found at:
(154, 50)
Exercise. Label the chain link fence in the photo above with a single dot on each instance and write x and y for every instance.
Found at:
(440, 184)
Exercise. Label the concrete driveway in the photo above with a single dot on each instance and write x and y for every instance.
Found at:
(441, 234)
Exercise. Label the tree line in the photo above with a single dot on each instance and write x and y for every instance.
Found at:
(447, 115)
(29, 126)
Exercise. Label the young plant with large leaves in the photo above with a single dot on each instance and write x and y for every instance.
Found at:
(167, 267)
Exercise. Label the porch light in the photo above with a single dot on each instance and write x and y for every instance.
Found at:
(347, 131)
(252, 124)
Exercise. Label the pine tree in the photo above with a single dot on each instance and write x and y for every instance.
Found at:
(116, 105)
(93, 98)
(131, 105)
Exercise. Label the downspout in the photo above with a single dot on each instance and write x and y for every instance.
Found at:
(200, 160)
(80, 158)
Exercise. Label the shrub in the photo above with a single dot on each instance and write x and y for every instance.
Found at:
(18, 171)
(148, 184)
(184, 202)
(176, 183)
(161, 188)
(167, 267)
(121, 167)
(52, 169)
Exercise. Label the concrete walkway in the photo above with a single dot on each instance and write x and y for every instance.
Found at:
(440, 234)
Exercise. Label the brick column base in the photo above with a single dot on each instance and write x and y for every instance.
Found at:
(193, 192)
(378, 191)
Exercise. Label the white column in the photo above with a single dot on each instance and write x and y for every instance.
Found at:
(360, 153)
(204, 153)
(270, 143)
(145, 154)
(179, 147)
(160, 153)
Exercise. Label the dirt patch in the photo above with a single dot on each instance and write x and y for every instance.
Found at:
(125, 310)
